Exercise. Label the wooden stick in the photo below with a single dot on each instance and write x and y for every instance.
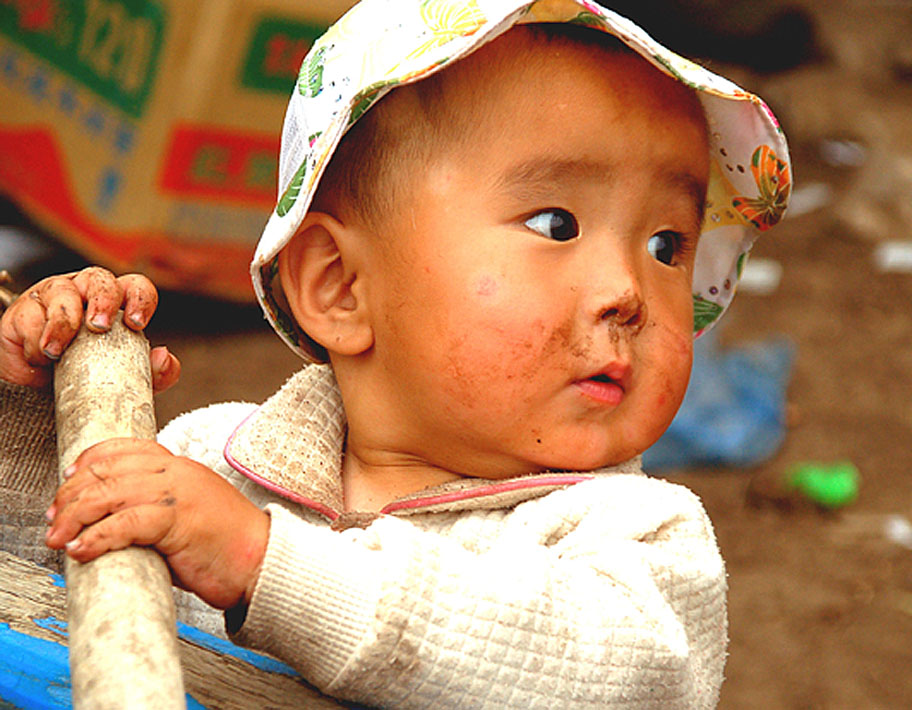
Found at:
(120, 607)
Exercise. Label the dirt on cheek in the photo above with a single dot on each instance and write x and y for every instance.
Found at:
(538, 347)
(461, 378)
(671, 394)
(559, 339)
(670, 358)
(493, 366)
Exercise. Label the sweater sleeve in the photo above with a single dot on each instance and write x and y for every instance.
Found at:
(608, 594)
(28, 471)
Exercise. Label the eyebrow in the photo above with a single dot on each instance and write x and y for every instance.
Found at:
(533, 180)
(692, 186)
(534, 177)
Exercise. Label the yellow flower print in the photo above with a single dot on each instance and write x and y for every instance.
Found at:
(447, 20)
(719, 211)
(774, 185)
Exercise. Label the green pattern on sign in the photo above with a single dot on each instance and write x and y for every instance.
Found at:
(275, 53)
(110, 46)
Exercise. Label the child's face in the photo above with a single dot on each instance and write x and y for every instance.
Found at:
(532, 305)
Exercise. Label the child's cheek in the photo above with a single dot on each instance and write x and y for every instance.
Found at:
(486, 287)
(674, 366)
(491, 351)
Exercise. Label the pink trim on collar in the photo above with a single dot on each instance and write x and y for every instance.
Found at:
(531, 482)
(269, 485)
(540, 481)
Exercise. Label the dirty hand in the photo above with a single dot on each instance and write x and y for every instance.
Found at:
(134, 492)
(38, 326)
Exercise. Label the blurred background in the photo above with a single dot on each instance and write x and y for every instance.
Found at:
(143, 135)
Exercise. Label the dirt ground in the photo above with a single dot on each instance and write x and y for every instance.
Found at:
(820, 602)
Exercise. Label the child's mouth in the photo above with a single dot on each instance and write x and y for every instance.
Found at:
(606, 387)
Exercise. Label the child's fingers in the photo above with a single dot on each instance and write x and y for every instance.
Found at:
(102, 294)
(165, 369)
(137, 525)
(62, 308)
(40, 324)
(139, 301)
(21, 359)
(109, 459)
(23, 327)
(101, 490)
(43, 320)
(118, 446)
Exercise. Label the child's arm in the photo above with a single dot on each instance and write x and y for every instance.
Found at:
(608, 594)
(34, 330)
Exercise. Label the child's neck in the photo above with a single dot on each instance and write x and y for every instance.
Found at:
(370, 483)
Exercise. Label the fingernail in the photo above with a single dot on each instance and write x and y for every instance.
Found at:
(101, 321)
(69, 471)
(136, 318)
(50, 513)
(52, 352)
(73, 545)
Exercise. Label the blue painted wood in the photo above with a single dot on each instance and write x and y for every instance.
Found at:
(226, 648)
(34, 667)
(35, 673)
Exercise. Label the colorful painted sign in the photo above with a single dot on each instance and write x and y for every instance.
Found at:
(110, 46)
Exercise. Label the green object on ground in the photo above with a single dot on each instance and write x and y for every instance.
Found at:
(830, 485)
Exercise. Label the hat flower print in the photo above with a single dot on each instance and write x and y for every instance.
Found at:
(381, 44)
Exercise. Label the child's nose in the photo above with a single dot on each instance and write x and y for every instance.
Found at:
(615, 295)
(626, 309)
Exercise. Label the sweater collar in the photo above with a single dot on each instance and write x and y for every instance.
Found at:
(293, 445)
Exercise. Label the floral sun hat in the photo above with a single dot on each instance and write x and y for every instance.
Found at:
(380, 44)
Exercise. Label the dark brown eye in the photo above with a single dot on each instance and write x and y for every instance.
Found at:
(663, 247)
(554, 223)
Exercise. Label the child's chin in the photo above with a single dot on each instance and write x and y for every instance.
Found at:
(588, 461)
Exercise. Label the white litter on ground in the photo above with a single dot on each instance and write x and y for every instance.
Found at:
(809, 198)
(761, 276)
(894, 256)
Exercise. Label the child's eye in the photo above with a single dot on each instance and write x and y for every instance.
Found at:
(665, 246)
(554, 223)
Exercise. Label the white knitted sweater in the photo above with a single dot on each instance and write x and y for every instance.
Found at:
(596, 590)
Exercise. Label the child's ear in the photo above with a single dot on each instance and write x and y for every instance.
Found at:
(319, 275)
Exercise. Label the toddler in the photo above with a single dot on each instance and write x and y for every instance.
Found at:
(500, 224)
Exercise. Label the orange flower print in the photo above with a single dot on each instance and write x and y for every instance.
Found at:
(774, 186)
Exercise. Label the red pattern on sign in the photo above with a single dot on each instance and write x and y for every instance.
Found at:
(221, 165)
(32, 173)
